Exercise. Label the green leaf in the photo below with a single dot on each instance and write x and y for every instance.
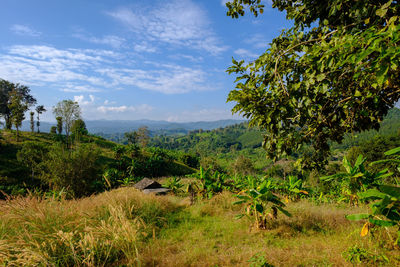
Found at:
(382, 223)
(381, 74)
(357, 217)
(239, 202)
(259, 208)
(284, 211)
(346, 164)
(239, 216)
(360, 160)
(372, 193)
(393, 151)
(393, 191)
(381, 12)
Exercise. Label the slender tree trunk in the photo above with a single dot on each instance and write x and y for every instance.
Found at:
(17, 133)
(8, 122)
(38, 124)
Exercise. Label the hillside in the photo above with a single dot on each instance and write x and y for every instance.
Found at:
(389, 126)
(222, 140)
(239, 137)
(46, 157)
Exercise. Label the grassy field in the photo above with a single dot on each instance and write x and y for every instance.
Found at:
(125, 227)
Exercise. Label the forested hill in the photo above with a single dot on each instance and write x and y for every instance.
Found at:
(114, 130)
(234, 137)
(239, 136)
(389, 126)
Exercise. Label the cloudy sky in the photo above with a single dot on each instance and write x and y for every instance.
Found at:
(127, 59)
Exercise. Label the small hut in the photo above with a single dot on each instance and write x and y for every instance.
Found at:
(148, 186)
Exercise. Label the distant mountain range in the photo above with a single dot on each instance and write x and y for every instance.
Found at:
(107, 127)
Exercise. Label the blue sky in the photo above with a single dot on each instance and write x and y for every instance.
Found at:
(128, 60)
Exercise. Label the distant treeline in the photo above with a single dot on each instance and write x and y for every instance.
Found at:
(240, 136)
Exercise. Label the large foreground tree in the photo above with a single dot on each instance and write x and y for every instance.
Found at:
(335, 71)
(6, 88)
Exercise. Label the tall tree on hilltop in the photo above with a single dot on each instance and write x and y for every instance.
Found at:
(6, 88)
(69, 111)
(59, 125)
(131, 137)
(79, 129)
(39, 110)
(143, 136)
(335, 71)
(32, 121)
(17, 109)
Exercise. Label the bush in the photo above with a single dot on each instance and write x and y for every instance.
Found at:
(210, 163)
(53, 130)
(190, 160)
(243, 165)
(76, 170)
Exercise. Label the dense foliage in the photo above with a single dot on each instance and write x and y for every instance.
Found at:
(20, 91)
(332, 73)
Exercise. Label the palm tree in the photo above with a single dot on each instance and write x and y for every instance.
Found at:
(39, 110)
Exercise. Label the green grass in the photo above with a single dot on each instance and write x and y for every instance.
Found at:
(126, 227)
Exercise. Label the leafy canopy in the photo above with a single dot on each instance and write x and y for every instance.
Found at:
(6, 88)
(335, 71)
(69, 111)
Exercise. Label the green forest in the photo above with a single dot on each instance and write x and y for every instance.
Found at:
(311, 178)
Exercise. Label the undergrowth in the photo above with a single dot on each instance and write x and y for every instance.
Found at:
(125, 227)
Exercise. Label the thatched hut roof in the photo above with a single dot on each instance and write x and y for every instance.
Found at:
(147, 183)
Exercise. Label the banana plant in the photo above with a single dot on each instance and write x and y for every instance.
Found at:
(174, 183)
(261, 204)
(111, 178)
(356, 178)
(395, 153)
(127, 181)
(385, 210)
(207, 184)
(294, 188)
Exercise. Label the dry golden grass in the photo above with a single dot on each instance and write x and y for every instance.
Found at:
(126, 227)
(99, 230)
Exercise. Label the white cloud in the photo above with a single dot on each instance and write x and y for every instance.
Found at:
(108, 109)
(24, 30)
(90, 71)
(142, 109)
(67, 69)
(245, 53)
(195, 59)
(80, 99)
(144, 47)
(72, 88)
(111, 40)
(181, 23)
(170, 79)
(258, 41)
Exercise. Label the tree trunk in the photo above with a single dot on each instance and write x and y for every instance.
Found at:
(8, 122)
(17, 133)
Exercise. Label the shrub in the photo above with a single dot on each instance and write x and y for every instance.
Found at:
(76, 169)
(243, 165)
(190, 160)
(31, 155)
